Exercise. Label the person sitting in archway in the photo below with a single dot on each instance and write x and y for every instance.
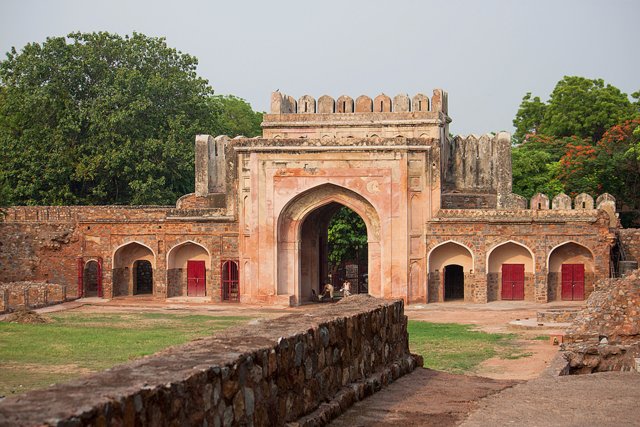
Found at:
(327, 292)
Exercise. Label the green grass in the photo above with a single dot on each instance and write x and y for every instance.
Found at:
(36, 355)
(541, 338)
(459, 348)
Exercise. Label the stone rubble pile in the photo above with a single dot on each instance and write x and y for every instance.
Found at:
(605, 336)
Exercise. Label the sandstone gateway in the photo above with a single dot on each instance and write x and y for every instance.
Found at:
(440, 217)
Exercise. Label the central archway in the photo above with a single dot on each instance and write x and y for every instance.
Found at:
(301, 222)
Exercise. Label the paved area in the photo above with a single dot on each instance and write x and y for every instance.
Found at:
(603, 399)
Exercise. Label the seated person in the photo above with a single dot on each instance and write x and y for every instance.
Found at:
(327, 292)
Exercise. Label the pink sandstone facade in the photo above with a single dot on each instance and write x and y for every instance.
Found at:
(441, 220)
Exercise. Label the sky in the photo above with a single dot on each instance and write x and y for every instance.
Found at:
(486, 54)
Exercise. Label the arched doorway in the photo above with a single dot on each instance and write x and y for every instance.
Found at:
(230, 281)
(333, 249)
(510, 273)
(90, 279)
(571, 272)
(142, 277)
(453, 282)
(133, 265)
(302, 258)
(188, 267)
(448, 264)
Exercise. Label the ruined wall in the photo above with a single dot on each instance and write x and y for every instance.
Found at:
(17, 295)
(605, 336)
(313, 364)
(38, 251)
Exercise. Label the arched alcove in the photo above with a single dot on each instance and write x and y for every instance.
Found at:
(133, 269)
(449, 263)
(91, 279)
(570, 272)
(510, 272)
(188, 267)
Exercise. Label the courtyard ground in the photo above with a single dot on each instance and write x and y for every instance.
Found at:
(498, 391)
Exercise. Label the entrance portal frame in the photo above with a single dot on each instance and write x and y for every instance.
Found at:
(293, 216)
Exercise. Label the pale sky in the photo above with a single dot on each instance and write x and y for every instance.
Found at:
(485, 54)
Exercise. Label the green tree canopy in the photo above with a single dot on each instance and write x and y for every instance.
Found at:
(578, 106)
(96, 118)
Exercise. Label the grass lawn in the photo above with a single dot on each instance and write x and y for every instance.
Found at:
(457, 348)
(73, 344)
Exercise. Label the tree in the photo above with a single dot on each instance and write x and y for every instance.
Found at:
(578, 106)
(612, 165)
(102, 119)
(347, 237)
(529, 117)
(235, 117)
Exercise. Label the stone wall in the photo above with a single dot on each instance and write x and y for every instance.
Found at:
(541, 232)
(18, 295)
(310, 364)
(606, 334)
(476, 171)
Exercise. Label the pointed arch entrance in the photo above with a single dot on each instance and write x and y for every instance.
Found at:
(92, 279)
(571, 272)
(448, 263)
(301, 254)
(188, 266)
(133, 270)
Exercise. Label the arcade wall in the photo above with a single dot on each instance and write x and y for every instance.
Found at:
(48, 243)
(546, 238)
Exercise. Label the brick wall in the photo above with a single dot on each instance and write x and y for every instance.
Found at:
(312, 364)
(45, 243)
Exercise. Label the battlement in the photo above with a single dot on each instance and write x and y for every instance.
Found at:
(401, 103)
(364, 117)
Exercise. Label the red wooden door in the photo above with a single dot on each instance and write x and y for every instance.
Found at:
(196, 279)
(572, 282)
(513, 281)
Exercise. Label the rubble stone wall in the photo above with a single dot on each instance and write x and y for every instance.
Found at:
(30, 295)
(606, 335)
(311, 364)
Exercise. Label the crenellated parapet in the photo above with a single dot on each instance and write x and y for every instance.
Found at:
(365, 117)
(401, 103)
(476, 170)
